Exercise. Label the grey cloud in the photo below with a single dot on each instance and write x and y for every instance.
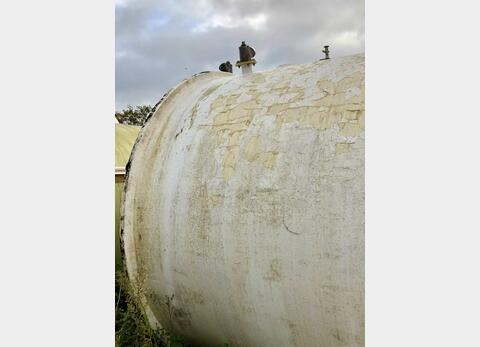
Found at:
(156, 47)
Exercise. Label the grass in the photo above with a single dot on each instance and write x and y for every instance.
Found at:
(131, 325)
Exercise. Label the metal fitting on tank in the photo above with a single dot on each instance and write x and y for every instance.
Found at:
(246, 58)
(326, 51)
(225, 67)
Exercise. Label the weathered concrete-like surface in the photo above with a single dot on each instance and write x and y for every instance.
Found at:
(244, 207)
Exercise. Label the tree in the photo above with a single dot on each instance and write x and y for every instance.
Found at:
(134, 115)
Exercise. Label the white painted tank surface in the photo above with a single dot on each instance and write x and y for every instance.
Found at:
(243, 214)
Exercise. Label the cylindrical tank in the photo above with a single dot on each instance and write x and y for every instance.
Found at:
(125, 136)
(243, 212)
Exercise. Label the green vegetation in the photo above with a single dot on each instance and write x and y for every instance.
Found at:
(131, 325)
(134, 115)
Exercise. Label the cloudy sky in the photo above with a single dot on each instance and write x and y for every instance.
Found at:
(161, 42)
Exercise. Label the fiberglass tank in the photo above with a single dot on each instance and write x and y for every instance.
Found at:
(243, 213)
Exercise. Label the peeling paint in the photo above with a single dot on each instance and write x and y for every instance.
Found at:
(274, 273)
(248, 194)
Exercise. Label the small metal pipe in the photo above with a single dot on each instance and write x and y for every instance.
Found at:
(246, 58)
(225, 67)
(247, 69)
(326, 51)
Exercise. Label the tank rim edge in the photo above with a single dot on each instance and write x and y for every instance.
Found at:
(153, 321)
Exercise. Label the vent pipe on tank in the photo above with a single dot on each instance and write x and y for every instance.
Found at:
(327, 52)
(225, 67)
(246, 58)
